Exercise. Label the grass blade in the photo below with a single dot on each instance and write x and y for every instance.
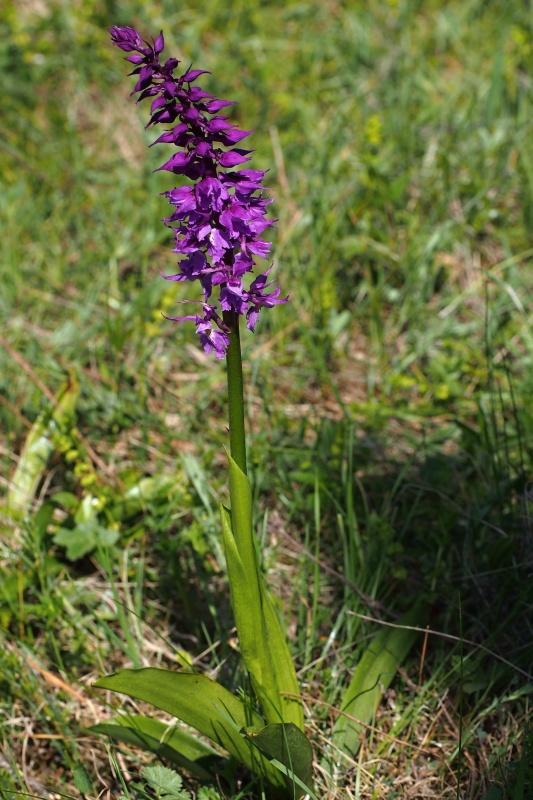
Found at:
(373, 674)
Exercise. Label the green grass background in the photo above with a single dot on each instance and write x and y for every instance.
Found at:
(390, 403)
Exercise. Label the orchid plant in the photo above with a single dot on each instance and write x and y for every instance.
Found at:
(217, 222)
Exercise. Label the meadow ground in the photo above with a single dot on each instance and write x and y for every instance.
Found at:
(389, 403)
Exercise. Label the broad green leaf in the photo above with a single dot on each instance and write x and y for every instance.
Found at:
(199, 702)
(40, 445)
(85, 538)
(373, 674)
(290, 747)
(262, 641)
(171, 743)
(77, 541)
(166, 783)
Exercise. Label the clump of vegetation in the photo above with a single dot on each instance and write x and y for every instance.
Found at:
(389, 403)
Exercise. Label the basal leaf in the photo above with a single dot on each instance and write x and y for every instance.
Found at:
(171, 743)
(200, 702)
(290, 747)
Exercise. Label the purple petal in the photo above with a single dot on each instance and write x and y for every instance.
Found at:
(177, 277)
(167, 114)
(145, 79)
(204, 150)
(193, 266)
(233, 157)
(216, 105)
(193, 74)
(157, 103)
(242, 264)
(233, 297)
(159, 44)
(219, 244)
(173, 136)
(191, 114)
(233, 136)
(212, 340)
(183, 198)
(150, 92)
(252, 316)
(170, 87)
(259, 248)
(196, 94)
(181, 319)
(211, 194)
(218, 124)
(176, 163)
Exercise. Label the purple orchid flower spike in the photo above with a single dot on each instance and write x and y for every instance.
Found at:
(217, 222)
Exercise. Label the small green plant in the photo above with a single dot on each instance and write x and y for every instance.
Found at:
(161, 783)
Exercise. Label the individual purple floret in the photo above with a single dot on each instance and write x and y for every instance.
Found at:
(218, 221)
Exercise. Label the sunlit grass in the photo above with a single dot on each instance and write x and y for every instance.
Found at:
(389, 403)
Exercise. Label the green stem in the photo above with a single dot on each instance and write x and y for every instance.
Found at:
(237, 439)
